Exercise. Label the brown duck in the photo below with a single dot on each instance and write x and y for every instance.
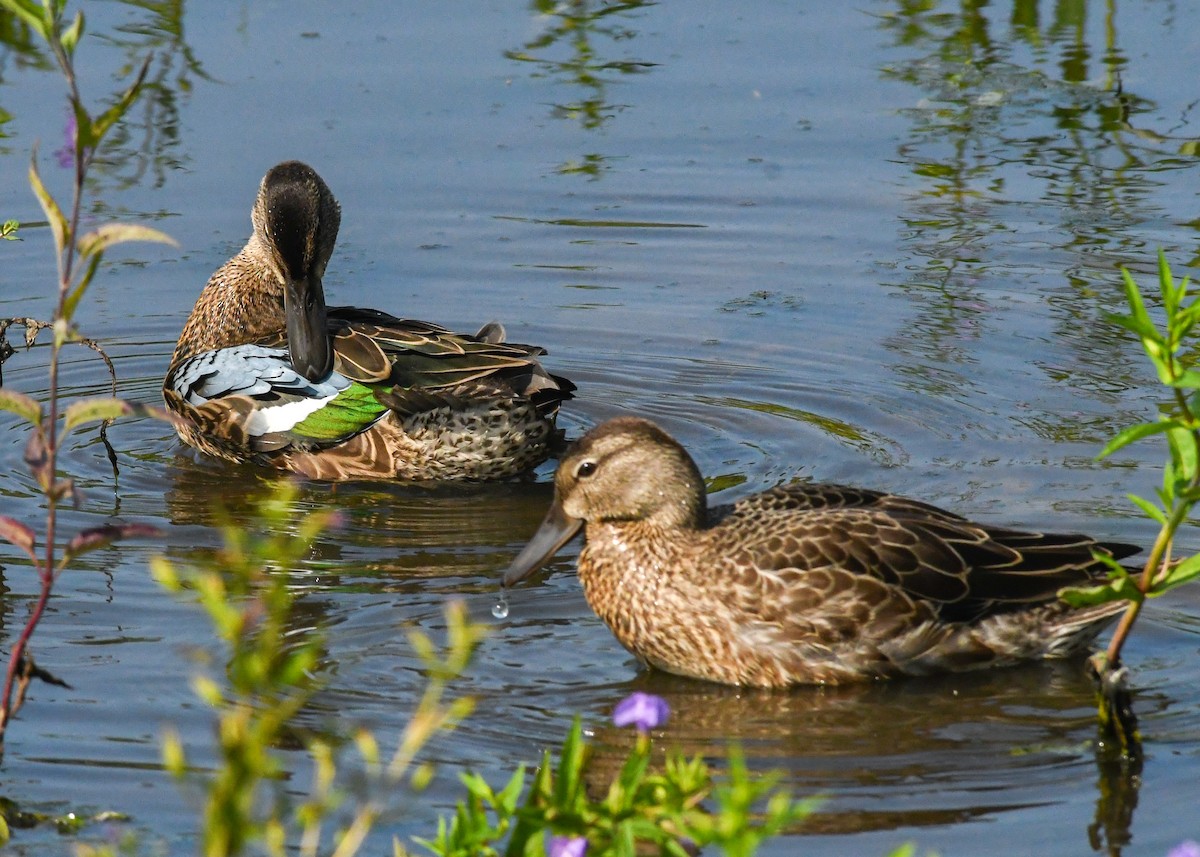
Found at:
(265, 373)
(804, 583)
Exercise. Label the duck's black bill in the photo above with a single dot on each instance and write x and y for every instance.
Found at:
(556, 530)
(308, 337)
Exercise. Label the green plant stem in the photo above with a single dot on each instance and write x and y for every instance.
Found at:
(49, 428)
(1161, 544)
(1160, 553)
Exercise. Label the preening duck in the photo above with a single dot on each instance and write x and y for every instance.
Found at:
(264, 372)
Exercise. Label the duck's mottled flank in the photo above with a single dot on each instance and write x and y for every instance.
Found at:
(264, 372)
(804, 583)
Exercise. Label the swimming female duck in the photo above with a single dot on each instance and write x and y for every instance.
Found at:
(804, 583)
(264, 372)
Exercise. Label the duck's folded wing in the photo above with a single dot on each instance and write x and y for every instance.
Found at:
(962, 569)
(811, 496)
(410, 357)
(250, 397)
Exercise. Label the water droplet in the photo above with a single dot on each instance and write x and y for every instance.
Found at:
(500, 608)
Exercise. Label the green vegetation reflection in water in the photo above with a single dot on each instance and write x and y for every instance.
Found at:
(568, 51)
(144, 143)
(1028, 150)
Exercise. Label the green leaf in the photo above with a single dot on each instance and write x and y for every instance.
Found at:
(510, 795)
(106, 119)
(91, 410)
(1121, 589)
(58, 223)
(26, 407)
(1142, 328)
(570, 766)
(85, 136)
(1188, 379)
(1149, 508)
(1181, 572)
(1183, 449)
(104, 535)
(28, 12)
(111, 234)
(1133, 297)
(1137, 432)
(92, 246)
(70, 36)
(16, 533)
(75, 294)
(477, 786)
(1171, 293)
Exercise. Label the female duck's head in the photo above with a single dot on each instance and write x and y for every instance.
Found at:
(624, 470)
(296, 221)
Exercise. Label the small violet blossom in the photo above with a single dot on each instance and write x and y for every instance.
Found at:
(1188, 848)
(66, 155)
(567, 846)
(642, 710)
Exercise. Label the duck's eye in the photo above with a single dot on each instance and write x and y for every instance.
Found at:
(585, 470)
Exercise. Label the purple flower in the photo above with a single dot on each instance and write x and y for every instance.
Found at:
(643, 710)
(567, 846)
(1189, 848)
(66, 155)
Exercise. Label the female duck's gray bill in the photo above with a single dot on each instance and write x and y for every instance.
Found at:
(556, 530)
(307, 333)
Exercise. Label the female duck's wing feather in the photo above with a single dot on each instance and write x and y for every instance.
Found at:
(414, 359)
(963, 569)
(249, 399)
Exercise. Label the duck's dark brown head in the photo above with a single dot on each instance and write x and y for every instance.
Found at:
(296, 220)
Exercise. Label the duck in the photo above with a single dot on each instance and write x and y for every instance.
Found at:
(805, 583)
(265, 373)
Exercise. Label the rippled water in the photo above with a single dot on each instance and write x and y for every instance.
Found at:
(865, 244)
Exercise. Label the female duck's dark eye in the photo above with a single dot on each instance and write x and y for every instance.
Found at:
(585, 470)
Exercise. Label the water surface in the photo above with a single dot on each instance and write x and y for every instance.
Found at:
(868, 244)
